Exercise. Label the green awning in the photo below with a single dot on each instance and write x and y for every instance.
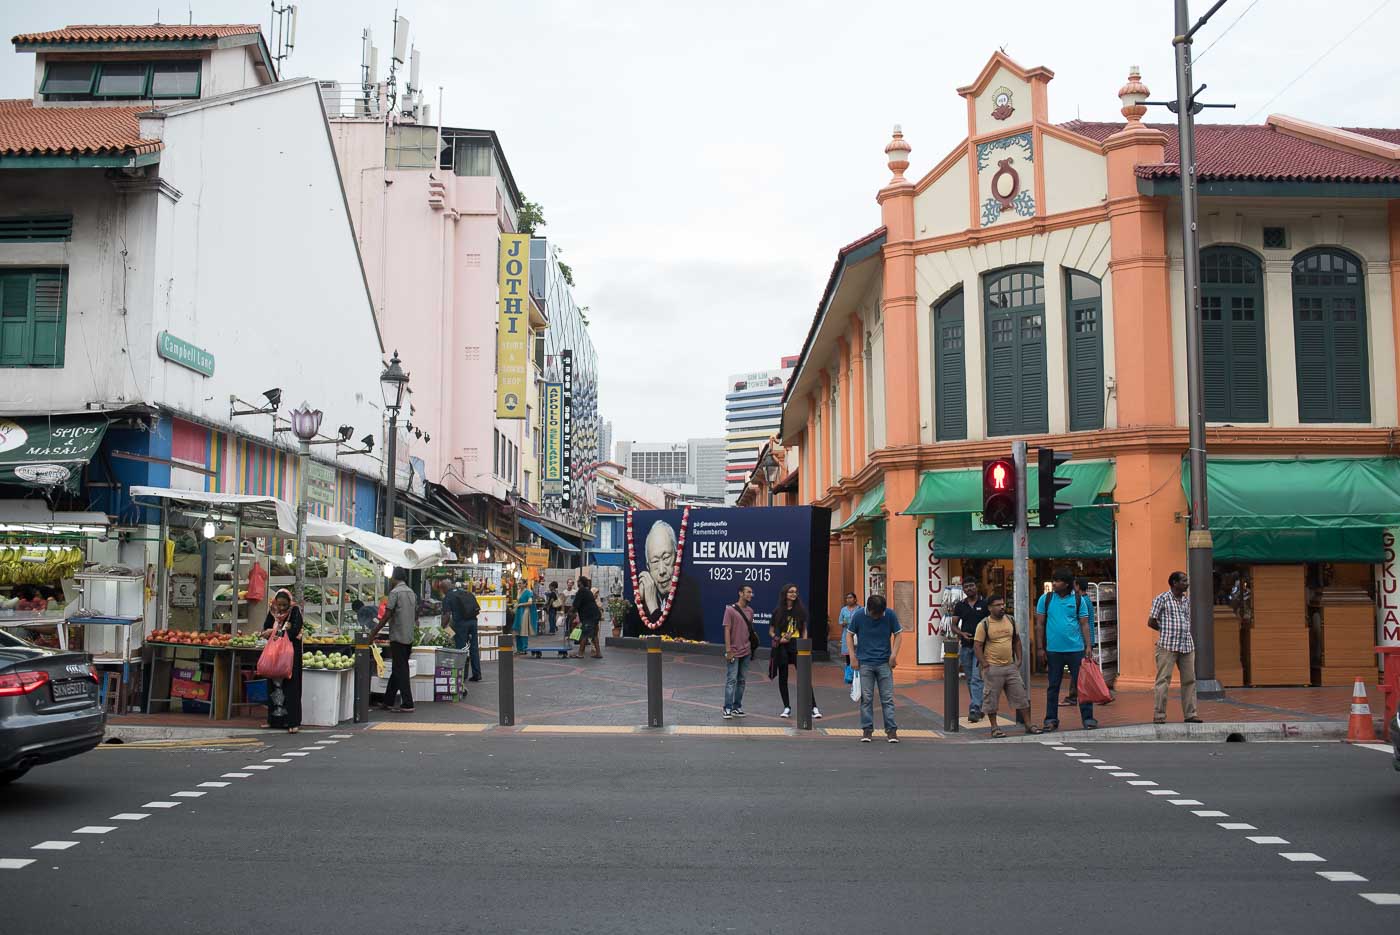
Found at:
(871, 505)
(877, 542)
(1081, 533)
(960, 491)
(48, 451)
(1327, 493)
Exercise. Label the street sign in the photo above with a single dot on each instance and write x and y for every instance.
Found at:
(184, 354)
(320, 483)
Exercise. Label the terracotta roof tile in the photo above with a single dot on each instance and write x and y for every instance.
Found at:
(26, 130)
(1258, 152)
(78, 35)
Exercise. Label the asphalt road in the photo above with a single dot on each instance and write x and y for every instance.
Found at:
(434, 832)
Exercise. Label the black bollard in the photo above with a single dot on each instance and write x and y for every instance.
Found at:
(653, 644)
(364, 669)
(505, 675)
(804, 684)
(951, 702)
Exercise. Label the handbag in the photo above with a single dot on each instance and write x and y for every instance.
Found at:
(855, 687)
(1092, 687)
(850, 674)
(576, 634)
(276, 659)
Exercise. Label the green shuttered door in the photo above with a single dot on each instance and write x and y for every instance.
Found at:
(1084, 329)
(950, 368)
(1329, 329)
(1232, 336)
(1016, 371)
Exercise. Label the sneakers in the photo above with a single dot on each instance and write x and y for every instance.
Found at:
(892, 736)
(728, 713)
(738, 712)
(974, 716)
(816, 712)
(1091, 724)
(787, 712)
(867, 735)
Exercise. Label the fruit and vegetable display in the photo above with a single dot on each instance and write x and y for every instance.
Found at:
(247, 640)
(190, 638)
(21, 565)
(331, 640)
(320, 660)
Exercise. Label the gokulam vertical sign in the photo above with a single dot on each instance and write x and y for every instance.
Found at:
(513, 327)
(1388, 591)
(932, 581)
(553, 432)
(566, 367)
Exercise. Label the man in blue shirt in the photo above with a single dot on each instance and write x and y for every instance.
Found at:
(874, 634)
(1062, 639)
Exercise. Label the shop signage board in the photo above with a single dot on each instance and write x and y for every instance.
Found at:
(1388, 603)
(553, 431)
(931, 581)
(566, 443)
(536, 561)
(765, 548)
(184, 590)
(513, 327)
(320, 483)
(184, 354)
(48, 451)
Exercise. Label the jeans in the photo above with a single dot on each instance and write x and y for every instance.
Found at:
(734, 683)
(553, 619)
(466, 638)
(967, 659)
(869, 676)
(399, 689)
(1057, 663)
(1185, 663)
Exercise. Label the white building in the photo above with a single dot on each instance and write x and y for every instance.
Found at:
(707, 467)
(752, 412)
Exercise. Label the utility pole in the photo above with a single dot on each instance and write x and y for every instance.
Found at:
(1021, 559)
(1200, 561)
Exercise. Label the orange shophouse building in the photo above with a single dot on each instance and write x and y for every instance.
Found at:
(1029, 285)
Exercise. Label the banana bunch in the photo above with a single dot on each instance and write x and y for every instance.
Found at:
(19, 565)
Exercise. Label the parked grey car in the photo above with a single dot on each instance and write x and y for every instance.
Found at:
(48, 706)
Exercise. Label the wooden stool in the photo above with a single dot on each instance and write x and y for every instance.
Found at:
(109, 692)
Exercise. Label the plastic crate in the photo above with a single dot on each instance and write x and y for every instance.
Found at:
(255, 691)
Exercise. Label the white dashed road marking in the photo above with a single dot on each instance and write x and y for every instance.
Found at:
(15, 863)
(1209, 813)
(212, 785)
(1302, 857)
(259, 766)
(187, 795)
(296, 753)
(1162, 792)
(1076, 755)
(1382, 899)
(1141, 782)
(1187, 802)
(1108, 767)
(130, 816)
(1267, 839)
(1236, 826)
(1342, 876)
(54, 845)
(1087, 762)
(1125, 775)
(235, 775)
(160, 805)
(328, 741)
(277, 760)
(342, 736)
(94, 829)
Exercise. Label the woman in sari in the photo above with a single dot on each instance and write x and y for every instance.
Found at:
(525, 620)
(284, 695)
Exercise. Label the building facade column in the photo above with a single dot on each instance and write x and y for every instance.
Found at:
(1393, 217)
(1151, 544)
(807, 473)
(843, 401)
(824, 479)
(858, 454)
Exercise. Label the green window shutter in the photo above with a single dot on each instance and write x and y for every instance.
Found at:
(1085, 348)
(1232, 336)
(1017, 389)
(950, 368)
(1329, 334)
(33, 318)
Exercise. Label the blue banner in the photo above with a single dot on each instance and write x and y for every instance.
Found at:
(766, 548)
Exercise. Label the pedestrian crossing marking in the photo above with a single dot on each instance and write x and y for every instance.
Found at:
(713, 730)
(432, 728)
(578, 729)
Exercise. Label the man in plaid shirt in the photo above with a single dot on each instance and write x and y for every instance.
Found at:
(1171, 618)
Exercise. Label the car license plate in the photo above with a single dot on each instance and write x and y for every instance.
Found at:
(78, 688)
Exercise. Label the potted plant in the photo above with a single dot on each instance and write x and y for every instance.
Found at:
(618, 609)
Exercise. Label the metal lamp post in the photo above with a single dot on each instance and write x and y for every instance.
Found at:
(393, 381)
(306, 422)
(769, 465)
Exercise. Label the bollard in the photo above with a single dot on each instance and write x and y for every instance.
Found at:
(804, 684)
(951, 702)
(364, 669)
(653, 644)
(505, 675)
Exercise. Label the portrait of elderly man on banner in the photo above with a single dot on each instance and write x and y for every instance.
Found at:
(666, 602)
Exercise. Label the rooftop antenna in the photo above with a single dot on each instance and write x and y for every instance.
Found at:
(413, 99)
(284, 32)
(400, 55)
(369, 72)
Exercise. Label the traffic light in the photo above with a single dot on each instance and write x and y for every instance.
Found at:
(999, 492)
(1049, 462)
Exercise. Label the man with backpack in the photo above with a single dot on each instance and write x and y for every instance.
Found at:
(464, 609)
(739, 642)
(998, 648)
(1062, 639)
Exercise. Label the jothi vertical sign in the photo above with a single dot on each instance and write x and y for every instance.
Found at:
(1388, 591)
(932, 581)
(553, 433)
(566, 368)
(513, 327)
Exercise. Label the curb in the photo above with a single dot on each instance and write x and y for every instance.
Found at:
(136, 732)
(1219, 732)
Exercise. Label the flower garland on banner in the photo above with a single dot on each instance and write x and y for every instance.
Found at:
(675, 572)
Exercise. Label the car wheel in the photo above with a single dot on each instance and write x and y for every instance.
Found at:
(10, 775)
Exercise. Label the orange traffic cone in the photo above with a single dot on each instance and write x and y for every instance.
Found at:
(1359, 728)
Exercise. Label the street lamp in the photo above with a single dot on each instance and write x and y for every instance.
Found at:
(393, 381)
(306, 423)
(769, 466)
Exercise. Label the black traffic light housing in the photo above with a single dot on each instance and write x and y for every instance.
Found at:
(1049, 461)
(999, 492)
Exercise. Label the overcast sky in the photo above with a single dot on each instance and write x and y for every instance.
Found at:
(701, 163)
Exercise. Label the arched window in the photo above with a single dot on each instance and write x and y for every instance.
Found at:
(950, 368)
(1015, 325)
(1329, 335)
(1084, 348)
(1232, 336)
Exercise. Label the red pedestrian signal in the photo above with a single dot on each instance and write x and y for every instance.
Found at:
(999, 492)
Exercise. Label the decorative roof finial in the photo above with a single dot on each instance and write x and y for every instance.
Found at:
(898, 152)
(1132, 95)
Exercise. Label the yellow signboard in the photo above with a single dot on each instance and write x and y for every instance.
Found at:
(512, 327)
(554, 431)
(536, 561)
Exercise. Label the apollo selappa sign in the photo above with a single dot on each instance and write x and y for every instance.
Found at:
(513, 327)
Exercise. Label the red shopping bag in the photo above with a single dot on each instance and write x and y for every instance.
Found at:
(276, 659)
(1092, 688)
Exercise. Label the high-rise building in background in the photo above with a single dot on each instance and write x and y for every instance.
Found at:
(752, 410)
(605, 441)
(707, 466)
(657, 463)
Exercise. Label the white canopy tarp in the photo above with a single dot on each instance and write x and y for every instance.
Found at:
(255, 510)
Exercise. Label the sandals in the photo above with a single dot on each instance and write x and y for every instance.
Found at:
(998, 733)
(293, 730)
(1033, 730)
